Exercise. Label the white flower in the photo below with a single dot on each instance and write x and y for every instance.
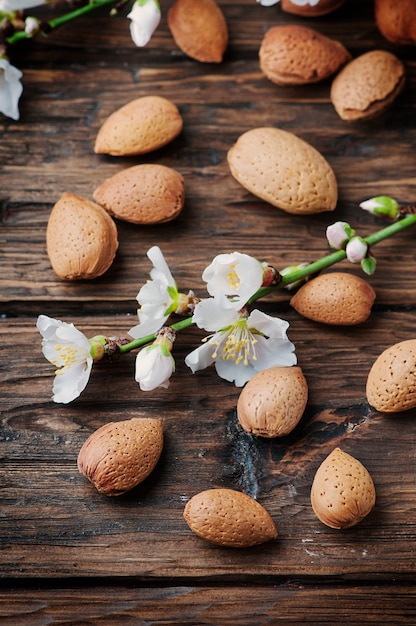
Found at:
(237, 276)
(9, 6)
(338, 234)
(145, 18)
(242, 347)
(10, 89)
(70, 351)
(158, 298)
(155, 364)
(356, 249)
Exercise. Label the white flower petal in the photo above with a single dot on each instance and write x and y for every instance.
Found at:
(147, 327)
(70, 382)
(160, 269)
(201, 357)
(8, 6)
(212, 314)
(145, 18)
(10, 89)
(237, 276)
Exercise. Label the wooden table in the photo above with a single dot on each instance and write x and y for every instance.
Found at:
(69, 555)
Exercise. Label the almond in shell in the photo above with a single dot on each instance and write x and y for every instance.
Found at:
(199, 29)
(81, 238)
(273, 401)
(292, 54)
(284, 170)
(368, 85)
(343, 491)
(336, 298)
(396, 20)
(229, 518)
(391, 382)
(143, 194)
(140, 126)
(120, 455)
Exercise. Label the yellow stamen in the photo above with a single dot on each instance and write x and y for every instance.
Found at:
(233, 278)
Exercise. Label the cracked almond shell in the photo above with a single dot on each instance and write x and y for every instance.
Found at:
(273, 401)
(229, 518)
(391, 382)
(120, 455)
(343, 491)
(81, 238)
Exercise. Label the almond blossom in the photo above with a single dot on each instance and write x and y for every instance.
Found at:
(10, 89)
(159, 297)
(155, 364)
(72, 353)
(145, 17)
(238, 276)
(242, 344)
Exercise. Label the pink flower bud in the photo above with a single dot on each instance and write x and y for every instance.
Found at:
(356, 249)
(338, 234)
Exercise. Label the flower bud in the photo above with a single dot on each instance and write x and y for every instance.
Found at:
(356, 249)
(382, 205)
(145, 17)
(97, 350)
(338, 234)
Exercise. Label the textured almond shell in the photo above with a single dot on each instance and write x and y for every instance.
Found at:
(120, 455)
(308, 10)
(143, 194)
(229, 518)
(367, 85)
(391, 382)
(282, 169)
(138, 127)
(199, 29)
(81, 238)
(291, 54)
(273, 401)
(343, 491)
(336, 298)
(396, 20)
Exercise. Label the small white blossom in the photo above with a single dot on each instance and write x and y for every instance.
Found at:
(145, 17)
(10, 89)
(338, 234)
(356, 249)
(158, 298)
(155, 364)
(243, 345)
(268, 3)
(32, 25)
(237, 276)
(70, 351)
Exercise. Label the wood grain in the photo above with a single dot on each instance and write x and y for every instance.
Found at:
(70, 555)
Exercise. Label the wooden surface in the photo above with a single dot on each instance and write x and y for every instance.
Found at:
(71, 556)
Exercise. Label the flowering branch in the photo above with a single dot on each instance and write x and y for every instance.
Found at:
(241, 342)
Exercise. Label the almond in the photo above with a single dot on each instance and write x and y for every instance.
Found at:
(311, 9)
(285, 171)
(140, 126)
(296, 55)
(336, 298)
(81, 238)
(391, 383)
(229, 518)
(120, 455)
(368, 85)
(199, 29)
(342, 491)
(143, 194)
(396, 20)
(273, 401)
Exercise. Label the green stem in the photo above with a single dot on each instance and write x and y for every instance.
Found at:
(335, 257)
(304, 272)
(62, 19)
(137, 343)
